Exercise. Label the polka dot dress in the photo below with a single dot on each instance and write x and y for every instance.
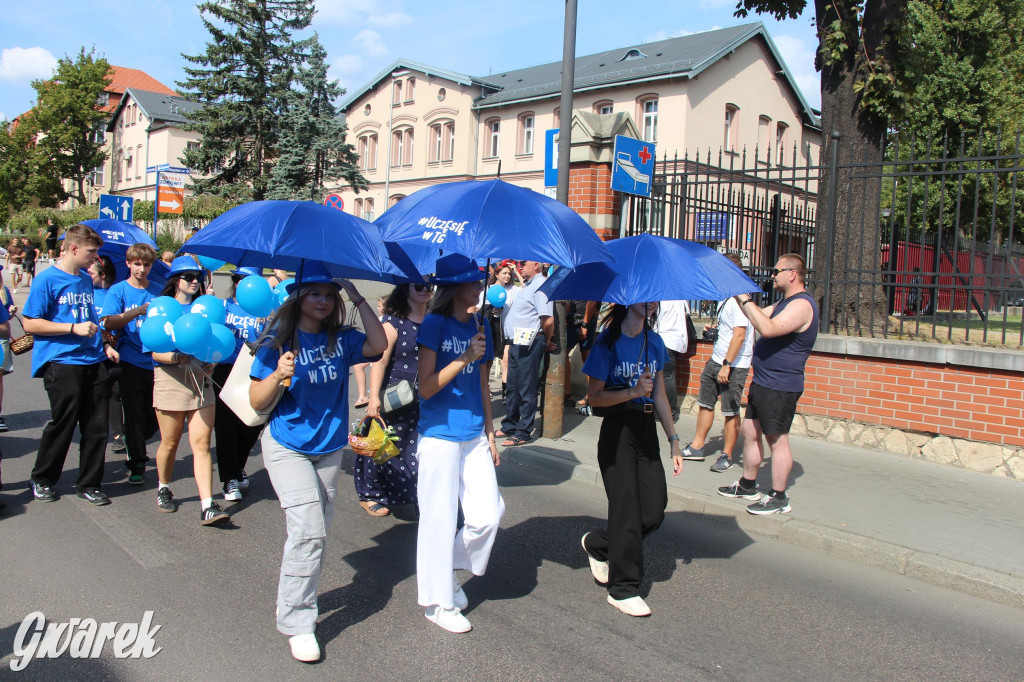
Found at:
(394, 482)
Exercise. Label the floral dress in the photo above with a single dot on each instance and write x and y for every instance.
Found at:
(394, 482)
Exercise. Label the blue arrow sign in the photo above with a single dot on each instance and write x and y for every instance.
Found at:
(117, 208)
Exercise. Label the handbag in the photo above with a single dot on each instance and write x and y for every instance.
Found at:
(394, 398)
(235, 392)
(22, 344)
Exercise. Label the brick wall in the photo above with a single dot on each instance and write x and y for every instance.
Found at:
(938, 399)
(590, 194)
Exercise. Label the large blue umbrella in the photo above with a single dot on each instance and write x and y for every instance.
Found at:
(287, 234)
(489, 220)
(117, 237)
(650, 268)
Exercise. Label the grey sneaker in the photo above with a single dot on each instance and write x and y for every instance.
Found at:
(769, 504)
(459, 597)
(736, 490)
(693, 454)
(723, 463)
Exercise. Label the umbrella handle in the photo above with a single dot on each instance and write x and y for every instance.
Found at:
(287, 382)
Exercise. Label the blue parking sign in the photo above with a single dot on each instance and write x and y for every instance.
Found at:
(633, 166)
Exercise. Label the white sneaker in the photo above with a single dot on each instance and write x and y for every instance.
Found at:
(232, 491)
(460, 598)
(305, 648)
(633, 606)
(451, 620)
(598, 568)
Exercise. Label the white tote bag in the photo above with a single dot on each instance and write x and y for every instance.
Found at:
(235, 392)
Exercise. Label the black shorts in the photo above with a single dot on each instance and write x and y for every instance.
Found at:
(774, 410)
(30, 267)
(51, 243)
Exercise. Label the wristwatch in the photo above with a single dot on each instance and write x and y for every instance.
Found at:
(725, 363)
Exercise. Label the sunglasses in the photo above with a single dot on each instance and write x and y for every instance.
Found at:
(191, 277)
(423, 287)
(776, 271)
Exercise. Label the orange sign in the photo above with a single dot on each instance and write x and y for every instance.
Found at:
(171, 199)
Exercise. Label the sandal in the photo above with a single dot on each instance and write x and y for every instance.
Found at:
(514, 441)
(374, 508)
(361, 404)
(500, 434)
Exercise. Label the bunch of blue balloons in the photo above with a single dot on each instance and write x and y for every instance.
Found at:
(256, 296)
(200, 332)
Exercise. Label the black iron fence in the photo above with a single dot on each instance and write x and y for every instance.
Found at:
(926, 244)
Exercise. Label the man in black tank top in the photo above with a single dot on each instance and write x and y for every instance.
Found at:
(787, 331)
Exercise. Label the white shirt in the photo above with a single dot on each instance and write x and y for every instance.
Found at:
(671, 325)
(730, 318)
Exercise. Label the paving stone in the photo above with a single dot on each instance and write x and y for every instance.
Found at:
(837, 434)
(818, 426)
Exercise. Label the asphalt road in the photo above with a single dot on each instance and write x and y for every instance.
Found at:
(726, 605)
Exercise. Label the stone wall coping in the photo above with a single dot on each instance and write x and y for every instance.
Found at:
(921, 351)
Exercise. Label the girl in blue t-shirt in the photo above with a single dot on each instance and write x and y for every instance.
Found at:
(303, 361)
(456, 450)
(625, 370)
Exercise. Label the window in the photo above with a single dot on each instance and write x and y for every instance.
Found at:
(441, 94)
(395, 198)
(764, 140)
(526, 133)
(192, 146)
(448, 147)
(99, 132)
(407, 159)
(358, 208)
(138, 166)
(731, 126)
(367, 109)
(494, 132)
(649, 119)
(103, 99)
(603, 107)
(401, 148)
(410, 89)
(442, 142)
(97, 176)
(368, 152)
(368, 209)
(434, 151)
(633, 54)
(396, 93)
(128, 164)
(558, 117)
(780, 142)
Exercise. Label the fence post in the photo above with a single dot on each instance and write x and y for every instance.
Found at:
(833, 182)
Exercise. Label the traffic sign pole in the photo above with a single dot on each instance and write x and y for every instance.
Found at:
(156, 203)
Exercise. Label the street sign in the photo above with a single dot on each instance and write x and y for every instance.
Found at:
(633, 166)
(117, 208)
(154, 169)
(711, 227)
(169, 168)
(334, 201)
(550, 158)
(171, 193)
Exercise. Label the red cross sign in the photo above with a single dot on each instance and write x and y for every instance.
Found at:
(645, 155)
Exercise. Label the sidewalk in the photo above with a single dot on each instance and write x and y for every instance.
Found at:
(941, 525)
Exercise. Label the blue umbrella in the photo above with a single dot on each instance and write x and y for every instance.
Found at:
(650, 268)
(287, 234)
(489, 220)
(117, 237)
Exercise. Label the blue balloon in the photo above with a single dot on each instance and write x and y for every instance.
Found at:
(165, 306)
(280, 296)
(156, 332)
(191, 333)
(496, 295)
(255, 296)
(211, 263)
(283, 284)
(210, 307)
(219, 347)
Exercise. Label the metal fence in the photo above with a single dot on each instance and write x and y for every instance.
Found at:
(937, 250)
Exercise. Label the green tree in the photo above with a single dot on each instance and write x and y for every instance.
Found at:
(15, 164)
(313, 148)
(243, 80)
(64, 122)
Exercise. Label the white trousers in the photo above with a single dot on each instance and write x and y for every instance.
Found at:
(450, 472)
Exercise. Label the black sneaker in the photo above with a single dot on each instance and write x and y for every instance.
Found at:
(119, 445)
(723, 463)
(165, 500)
(43, 493)
(736, 490)
(213, 514)
(3, 425)
(769, 504)
(94, 496)
(693, 454)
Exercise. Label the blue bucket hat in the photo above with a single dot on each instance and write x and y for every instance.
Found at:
(312, 272)
(456, 269)
(248, 272)
(184, 264)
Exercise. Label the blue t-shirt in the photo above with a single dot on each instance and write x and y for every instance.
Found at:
(456, 412)
(312, 415)
(5, 315)
(622, 363)
(59, 297)
(121, 297)
(99, 297)
(244, 326)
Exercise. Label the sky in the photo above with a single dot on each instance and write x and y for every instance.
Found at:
(363, 37)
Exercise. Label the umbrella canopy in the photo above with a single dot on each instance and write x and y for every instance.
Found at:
(650, 268)
(286, 234)
(489, 220)
(117, 237)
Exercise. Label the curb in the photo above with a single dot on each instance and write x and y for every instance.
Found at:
(959, 576)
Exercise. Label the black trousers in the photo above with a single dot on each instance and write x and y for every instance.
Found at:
(76, 399)
(140, 423)
(234, 439)
(675, 359)
(634, 481)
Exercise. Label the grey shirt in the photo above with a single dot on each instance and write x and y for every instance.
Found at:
(530, 305)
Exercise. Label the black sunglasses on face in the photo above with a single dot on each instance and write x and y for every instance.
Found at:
(423, 287)
(191, 277)
(776, 271)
